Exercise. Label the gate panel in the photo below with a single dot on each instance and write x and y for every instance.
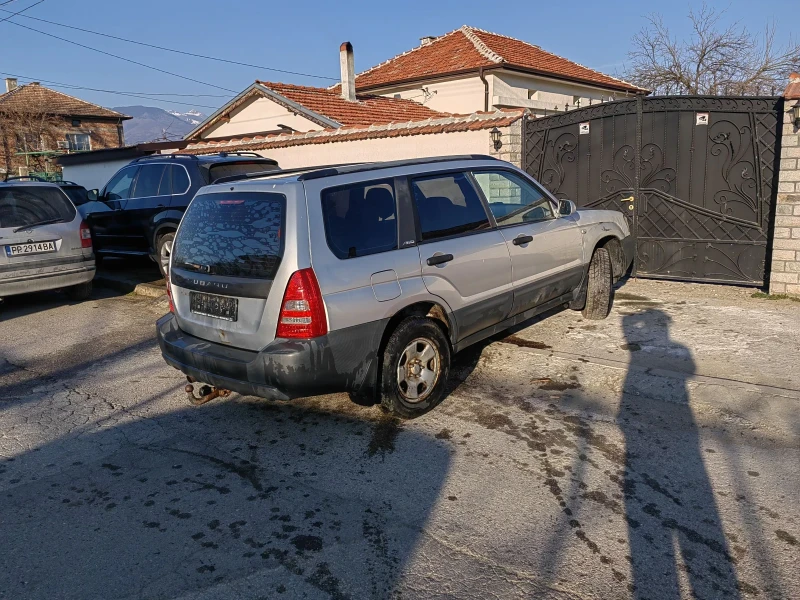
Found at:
(700, 170)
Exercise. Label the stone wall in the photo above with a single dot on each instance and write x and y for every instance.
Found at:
(785, 272)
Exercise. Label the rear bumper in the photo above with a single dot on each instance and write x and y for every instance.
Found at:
(22, 282)
(343, 360)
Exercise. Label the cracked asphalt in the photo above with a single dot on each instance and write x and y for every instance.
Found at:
(655, 454)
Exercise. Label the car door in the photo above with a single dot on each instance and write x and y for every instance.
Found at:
(108, 223)
(151, 194)
(465, 261)
(546, 249)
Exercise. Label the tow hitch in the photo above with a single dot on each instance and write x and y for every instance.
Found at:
(200, 393)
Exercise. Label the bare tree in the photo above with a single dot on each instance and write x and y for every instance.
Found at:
(26, 129)
(715, 59)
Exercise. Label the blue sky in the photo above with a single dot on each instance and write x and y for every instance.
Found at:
(305, 37)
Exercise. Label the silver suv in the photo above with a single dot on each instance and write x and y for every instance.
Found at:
(367, 278)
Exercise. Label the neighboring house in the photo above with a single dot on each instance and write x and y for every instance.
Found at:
(469, 69)
(464, 92)
(38, 124)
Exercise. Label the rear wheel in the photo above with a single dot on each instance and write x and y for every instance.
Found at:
(164, 248)
(598, 289)
(416, 365)
(82, 291)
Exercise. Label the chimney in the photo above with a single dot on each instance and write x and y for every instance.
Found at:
(424, 41)
(11, 83)
(347, 64)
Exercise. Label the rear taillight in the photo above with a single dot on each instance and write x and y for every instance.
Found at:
(86, 235)
(302, 311)
(169, 295)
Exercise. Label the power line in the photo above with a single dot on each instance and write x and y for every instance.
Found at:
(78, 87)
(19, 12)
(130, 60)
(225, 60)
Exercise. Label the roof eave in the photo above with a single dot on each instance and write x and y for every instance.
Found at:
(509, 67)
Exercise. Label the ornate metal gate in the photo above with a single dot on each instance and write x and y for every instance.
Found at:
(694, 175)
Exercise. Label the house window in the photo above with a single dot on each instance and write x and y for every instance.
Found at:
(76, 122)
(79, 141)
(29, 142)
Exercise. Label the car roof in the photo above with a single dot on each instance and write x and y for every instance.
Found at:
(208, 158)
(317, 172)
(20, 183)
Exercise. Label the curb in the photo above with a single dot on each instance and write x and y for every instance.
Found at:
(150, 290)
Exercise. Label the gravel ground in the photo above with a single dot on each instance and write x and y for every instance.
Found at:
(655, 454)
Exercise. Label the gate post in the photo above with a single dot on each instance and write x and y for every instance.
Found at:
(785, 267)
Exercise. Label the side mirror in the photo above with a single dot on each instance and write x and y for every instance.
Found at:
(566, 208)
(92, 195)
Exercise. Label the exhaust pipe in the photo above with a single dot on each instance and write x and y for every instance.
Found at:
(205, 393)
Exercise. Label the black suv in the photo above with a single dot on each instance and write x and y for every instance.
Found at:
(145, 200)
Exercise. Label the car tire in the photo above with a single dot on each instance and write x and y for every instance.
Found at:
(598, 287)
(82, 291)
(164, 248)
(415, 368)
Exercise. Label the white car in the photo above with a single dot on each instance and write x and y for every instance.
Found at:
(44, 242)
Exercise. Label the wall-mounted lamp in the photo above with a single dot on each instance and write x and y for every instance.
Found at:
(795, 115)
(496, 138)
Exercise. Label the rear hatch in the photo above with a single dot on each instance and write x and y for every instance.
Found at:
(39, 232)
(228, 168)
(225, 264)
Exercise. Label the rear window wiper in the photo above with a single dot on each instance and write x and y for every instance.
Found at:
(38, 224)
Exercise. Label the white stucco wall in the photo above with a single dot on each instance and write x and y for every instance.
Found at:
(93, 175)
(416, 146)
(462, 96)
(262, 114)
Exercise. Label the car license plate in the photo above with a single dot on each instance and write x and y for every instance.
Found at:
(209, 305)
(30, 248)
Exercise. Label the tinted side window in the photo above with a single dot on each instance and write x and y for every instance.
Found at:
(165, 189)
(148, 181)
(513, 200)
(180, 180)
(360, 219)
(119, 188)
(448, 205)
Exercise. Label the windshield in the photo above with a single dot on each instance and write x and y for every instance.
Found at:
(26, 205)
(233, 234)
(226, 169)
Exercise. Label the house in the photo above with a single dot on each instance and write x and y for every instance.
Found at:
(466, 91)
(469, 69)
(38, 124)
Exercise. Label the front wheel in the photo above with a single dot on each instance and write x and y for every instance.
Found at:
(164, 248)
(598, 288)
(416, 365)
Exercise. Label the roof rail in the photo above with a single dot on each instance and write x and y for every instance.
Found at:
(359, 167)
(255, 174)
(26, 178)
(254, 154)
(158, 156)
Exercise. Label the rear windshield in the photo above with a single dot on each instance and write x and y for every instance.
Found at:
(232, 234)
(27, 205)
(226, 169)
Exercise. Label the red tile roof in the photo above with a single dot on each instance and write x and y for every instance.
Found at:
(468, 49)
(367, 110)
(443, 124)
(56, 103)
(792, 91)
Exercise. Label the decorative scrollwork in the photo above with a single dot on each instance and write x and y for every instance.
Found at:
(732, 143)
(623, 174)
(557, 152)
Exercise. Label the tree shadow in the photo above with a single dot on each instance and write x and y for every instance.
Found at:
(675, 531)
(267, 497)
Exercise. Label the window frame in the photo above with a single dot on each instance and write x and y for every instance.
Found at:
(432, 174)
(165, 170)
(364, 183)
(525, 177)
(76, 134)
(104, 191)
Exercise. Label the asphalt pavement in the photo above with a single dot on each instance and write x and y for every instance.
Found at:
(655, 454)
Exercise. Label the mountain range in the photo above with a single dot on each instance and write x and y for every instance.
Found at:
(152, 124)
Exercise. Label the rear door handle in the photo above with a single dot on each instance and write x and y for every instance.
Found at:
(522, 239)
(438, 259)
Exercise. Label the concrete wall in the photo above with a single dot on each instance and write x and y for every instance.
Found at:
(785, 272)
(397, 148)
(262, 114)
(93, 175)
